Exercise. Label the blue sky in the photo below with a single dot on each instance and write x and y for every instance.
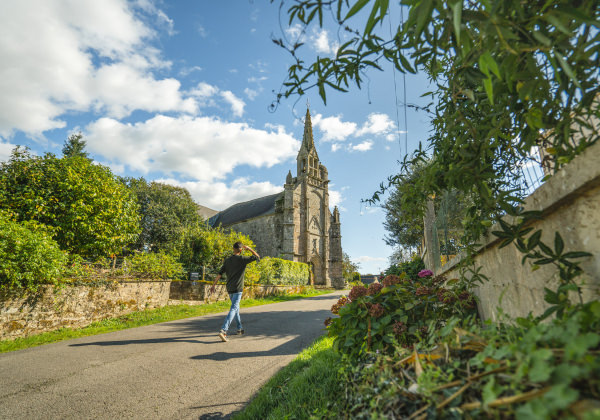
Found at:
(179, 92)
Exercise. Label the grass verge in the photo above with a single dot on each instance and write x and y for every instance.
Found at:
(301, 390)
(141, 318)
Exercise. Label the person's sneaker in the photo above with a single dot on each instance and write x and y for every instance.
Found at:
(223, 335)
(240, 332)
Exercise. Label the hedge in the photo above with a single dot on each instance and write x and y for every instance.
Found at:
(277, 271)
(28, 255)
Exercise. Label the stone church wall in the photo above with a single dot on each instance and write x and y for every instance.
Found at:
(266, 232)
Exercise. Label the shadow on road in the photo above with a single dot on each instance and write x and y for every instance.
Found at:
(203, 330)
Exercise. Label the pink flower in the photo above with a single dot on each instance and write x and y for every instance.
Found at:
(425, 273)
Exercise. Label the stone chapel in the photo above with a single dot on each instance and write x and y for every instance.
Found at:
(296, 223)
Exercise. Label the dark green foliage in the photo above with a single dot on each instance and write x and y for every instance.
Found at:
(411, 268)
(526, 370)
(398, 312)
(348, 267)
(28, 255)
(166, 211)
(92, 214)
(75, 146)
(278, 271)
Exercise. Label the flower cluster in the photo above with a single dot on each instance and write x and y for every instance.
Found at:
(445, 296)
(424, 330)
(400, 328)
(467, 300)
(356, 292)
(423, 291)
(374, 288)
(376, 310)
(391, 280)
(328, 321)
(340, 303)
(425, 273)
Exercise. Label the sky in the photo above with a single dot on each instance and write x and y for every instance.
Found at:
(180, 92)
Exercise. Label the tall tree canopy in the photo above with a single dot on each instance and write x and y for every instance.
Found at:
(92, 213)
(75, 146)
(165, 212)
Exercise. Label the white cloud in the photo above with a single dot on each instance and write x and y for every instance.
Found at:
(294, 32)
(321, 42)
(335, 199)
(335, 147)
(363, 147)
(197, 148)
(237, 105)
(333, 128)
(5, 150)
(204, 90)
(189, 70)
(62, 56)
(378, 124)
(219, 196)
(368, 259)
(202, 31)
(251, 93)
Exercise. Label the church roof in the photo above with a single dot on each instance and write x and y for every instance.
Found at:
(246, 210)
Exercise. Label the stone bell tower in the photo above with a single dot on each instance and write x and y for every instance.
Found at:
(307, 221)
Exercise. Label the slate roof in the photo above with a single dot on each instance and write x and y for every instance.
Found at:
(206, 212)
(246, 210)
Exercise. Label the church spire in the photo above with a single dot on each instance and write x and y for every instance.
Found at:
(307, 139)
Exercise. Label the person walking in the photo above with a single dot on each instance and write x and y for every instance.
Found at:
(235, 268)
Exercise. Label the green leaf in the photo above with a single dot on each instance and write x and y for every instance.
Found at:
(457, 19)
(577, 254)
(567, 68)
(540, 369)
(356, 8)
(559, 245)
(487, 84)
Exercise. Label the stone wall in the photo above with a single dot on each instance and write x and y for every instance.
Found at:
(200, 291)
(570, 202)
(266, 233)
(76, 306)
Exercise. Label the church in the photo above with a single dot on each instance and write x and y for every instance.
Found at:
(296, 223)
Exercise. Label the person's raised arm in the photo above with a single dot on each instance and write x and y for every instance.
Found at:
(252, 251)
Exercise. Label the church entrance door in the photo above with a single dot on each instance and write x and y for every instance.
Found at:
(317, 268)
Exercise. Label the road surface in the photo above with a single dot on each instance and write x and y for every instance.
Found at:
(173, 370)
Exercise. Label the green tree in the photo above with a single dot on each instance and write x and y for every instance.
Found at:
(28, 255)
(502, 73)
(208, 247)
(75, 146)
(349, 267)
(166, 211)
(92, 213)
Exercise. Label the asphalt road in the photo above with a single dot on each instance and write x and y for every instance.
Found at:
(173, 370)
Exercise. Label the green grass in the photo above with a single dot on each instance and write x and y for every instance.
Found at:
(300, 390)
(141, 318)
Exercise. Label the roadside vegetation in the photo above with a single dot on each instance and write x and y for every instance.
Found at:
(303, 389)
(512, 84)
(147, 317)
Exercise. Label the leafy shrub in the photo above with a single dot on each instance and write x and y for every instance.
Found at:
(277, 271)
(153, 265)
(411, 268)
(205, 246)
(356, 276)
(28, 255)
(398, 312)
(93, 214)
(527, 370)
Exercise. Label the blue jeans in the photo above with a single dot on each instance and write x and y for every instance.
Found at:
(234, 311)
